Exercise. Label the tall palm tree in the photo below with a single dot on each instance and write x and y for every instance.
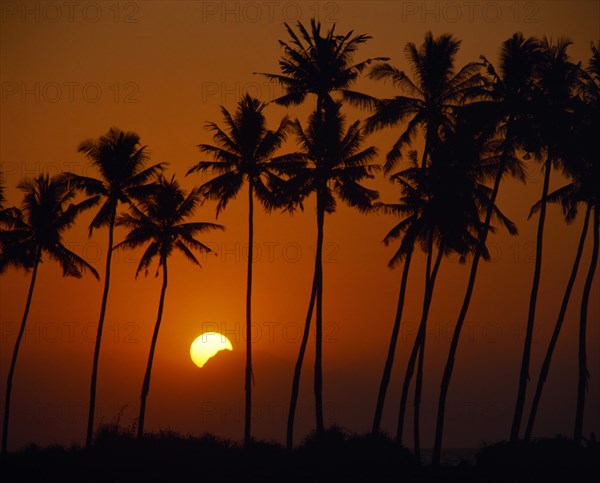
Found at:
(558, 81)
(48, 210)
(427, 103)
(244, 153)
(591, 168)
(318, 64)
(582, 165)
(159, 221)
(335, 165)
(121, 162)
(504, 113)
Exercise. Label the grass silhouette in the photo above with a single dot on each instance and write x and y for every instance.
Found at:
(117, 455)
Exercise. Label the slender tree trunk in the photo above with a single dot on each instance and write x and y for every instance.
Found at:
(583, 372)
(410, 368)
(431, 275)
(524, 373)
(298, 367)
(389, 362)
(248, 385)
(13, 362)
(447, 376)
(146, 384)
(90, 425)
(318, 382)
(557, 328)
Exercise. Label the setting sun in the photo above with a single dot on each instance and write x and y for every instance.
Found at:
(208, 345)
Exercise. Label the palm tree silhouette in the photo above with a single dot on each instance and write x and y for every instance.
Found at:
(121, 162)
(47, 211)
(318, 64)
(244, 153)
(428, 105)
(335, 166)
(591, 96)
(158, 220)
(583, 168)
(443, 204)
(504, 111)
(557, 82)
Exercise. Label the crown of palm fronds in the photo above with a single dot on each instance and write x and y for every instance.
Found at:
(244, 151)
(429, 100)
(335, 162)
(159, 221)
(48, 210)
(121, 162)
(316, 63)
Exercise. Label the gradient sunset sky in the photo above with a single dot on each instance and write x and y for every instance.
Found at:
(71, 70)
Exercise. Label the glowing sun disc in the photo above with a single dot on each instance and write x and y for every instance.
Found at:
(208, 345)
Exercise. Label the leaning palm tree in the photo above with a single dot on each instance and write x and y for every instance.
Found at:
(121, 161)
(427, 103)
(582, 165)
(159, 221)
(557, 84)
(244, 153)
(48, 210)
(504, 112)
(591, 106)
(582, 191)
(335, 165)
(445, 201)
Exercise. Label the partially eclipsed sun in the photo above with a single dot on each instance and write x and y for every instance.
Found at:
(207, 345)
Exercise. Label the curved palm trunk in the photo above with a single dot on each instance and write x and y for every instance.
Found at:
(557, 328)
(389, 362)
(248, 383)
(90, 425)
(146, 384)
(13, 362)
(318, 382)
(583, 372)
(524, 373)
(412, 360)
(447, 376)
(299, 361)
(422, 332)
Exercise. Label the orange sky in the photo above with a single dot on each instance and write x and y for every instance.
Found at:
(162, 69)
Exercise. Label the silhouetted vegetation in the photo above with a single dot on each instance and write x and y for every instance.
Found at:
(117, 455)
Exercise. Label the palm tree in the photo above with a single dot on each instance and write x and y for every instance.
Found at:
(335, 166)
(244, 153)
(505, 113)
(428, 104)
(159, 221)
(47, 211)
(557, 82)
(319, 64)
(582, 165)
(121, 161)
